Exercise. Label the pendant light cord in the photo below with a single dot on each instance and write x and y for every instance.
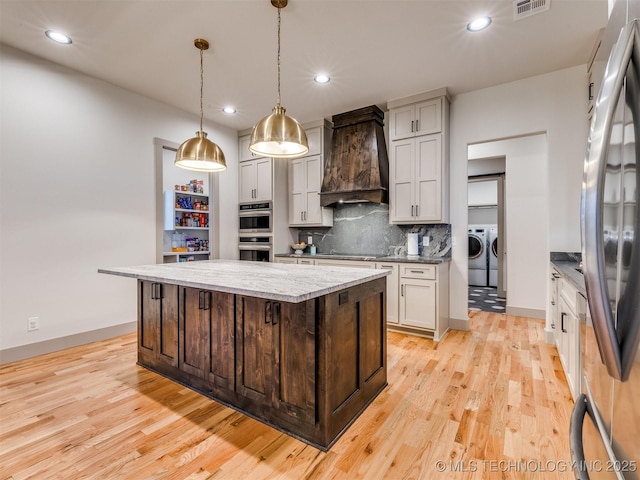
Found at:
(279, 55)
(201, 87)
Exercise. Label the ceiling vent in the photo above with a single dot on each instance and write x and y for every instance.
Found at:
(526, 8)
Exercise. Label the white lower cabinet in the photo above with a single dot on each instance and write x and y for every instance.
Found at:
(417, 294)
(393, 282)
(285, 260)
(568, 335)
(418, 303)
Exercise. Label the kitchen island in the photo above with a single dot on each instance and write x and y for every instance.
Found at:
(300, 348)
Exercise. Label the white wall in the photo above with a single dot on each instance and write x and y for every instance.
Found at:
(554, 104)
(77, 193)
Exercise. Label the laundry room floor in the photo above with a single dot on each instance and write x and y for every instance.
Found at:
(486, 299)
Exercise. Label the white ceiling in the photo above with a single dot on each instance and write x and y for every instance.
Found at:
(374, 50)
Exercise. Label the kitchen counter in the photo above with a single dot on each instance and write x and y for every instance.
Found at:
(272, 281)
(298, 347)
(566, 264)
(370, 258)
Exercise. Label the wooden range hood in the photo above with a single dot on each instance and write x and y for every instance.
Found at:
(357, 169)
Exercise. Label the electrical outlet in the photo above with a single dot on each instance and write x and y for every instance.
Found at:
(33, 323)
(453, 241)
(425, 241)
(310, 240)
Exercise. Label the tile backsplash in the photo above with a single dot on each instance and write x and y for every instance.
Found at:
(364, 229)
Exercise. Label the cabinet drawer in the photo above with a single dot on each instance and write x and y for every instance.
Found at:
(568, 293)
(418, 271)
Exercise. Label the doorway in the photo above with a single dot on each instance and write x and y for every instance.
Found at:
(525, 212)
(486, 227)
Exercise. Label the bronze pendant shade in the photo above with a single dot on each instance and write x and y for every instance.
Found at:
(278, 135)
(199, 153)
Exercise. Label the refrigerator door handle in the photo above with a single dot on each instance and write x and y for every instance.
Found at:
(575, 437)
(593, 200)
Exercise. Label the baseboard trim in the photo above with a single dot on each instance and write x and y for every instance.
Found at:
(22, 352)
(459, 324)
(526, 312)
(549, 337)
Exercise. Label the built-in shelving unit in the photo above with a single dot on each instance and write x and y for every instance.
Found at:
(186, 224)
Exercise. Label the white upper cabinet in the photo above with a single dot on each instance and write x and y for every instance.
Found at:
(418, 159)
(422, 118)
(255, 180)
(305, 181)
(244, 153)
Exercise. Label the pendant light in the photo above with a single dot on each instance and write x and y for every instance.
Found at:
(278, 135)
(199, 153)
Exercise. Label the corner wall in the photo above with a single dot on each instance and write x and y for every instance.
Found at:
(554, 104)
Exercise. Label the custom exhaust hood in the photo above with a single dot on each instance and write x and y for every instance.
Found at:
(357, 168)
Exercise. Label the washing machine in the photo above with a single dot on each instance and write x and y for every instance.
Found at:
(478, 255)
(493, 255)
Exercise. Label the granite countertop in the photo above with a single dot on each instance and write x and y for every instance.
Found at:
(273, 281)
(370, 258)
(566, 264)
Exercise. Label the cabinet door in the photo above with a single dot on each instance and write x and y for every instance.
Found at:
(315, 140)
(401, 181)
(158, 323)
(429, 117)
(428, 178)
(392, 291)
(402, 122)
(276, 362)
(313, 183)
(221, 356)
(244, 153)
(418, 303)
(297, 191)
(257, 359)
(195, 324)
(263, 180)
(247, 182)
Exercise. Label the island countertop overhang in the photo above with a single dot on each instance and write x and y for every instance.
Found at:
(272, 281)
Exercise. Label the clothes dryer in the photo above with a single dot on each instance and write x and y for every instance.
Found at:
(478, 256)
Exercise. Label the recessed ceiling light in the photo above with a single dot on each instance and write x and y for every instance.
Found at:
(58, 37)
(322, 78)
(229, 110)
(478, 24)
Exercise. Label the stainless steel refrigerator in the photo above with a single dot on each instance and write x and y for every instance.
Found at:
(605, 424)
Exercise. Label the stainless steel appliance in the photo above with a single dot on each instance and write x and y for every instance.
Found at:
(605, 424)
(256, 217)
(256, 249)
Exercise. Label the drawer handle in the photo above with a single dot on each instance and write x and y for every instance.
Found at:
(417, 271)
(267, 312)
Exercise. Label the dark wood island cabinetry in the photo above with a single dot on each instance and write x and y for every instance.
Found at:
(307, 368)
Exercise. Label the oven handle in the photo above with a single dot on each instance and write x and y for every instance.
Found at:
(253, 246)
(254, 213)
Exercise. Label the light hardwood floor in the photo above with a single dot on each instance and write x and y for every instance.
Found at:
(490, 403)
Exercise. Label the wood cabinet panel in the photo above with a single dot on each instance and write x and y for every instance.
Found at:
(307, 368)
(158, 322)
